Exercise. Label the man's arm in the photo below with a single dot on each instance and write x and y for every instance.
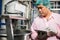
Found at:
(33, 32)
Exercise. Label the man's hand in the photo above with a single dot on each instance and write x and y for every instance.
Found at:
(51, 33)
(34, 35)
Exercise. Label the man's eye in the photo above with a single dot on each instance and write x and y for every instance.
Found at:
(40, 7)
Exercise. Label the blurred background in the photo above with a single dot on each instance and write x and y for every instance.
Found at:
(16, 17)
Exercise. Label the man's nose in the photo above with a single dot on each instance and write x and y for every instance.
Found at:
(40, 10)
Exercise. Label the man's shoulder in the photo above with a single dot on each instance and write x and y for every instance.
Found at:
(57, 18)
(37, 18)
(56, 14)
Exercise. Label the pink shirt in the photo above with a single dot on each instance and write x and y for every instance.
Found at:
(52, 24)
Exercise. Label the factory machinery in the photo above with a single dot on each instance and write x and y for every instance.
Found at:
(16, 19)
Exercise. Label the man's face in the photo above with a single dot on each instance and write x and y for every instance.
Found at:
(42, 10)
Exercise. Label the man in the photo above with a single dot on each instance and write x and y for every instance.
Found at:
(46, 21)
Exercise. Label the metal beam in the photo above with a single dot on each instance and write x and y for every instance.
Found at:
(9, 28)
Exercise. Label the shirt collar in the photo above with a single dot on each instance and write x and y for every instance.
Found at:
(51, 17)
